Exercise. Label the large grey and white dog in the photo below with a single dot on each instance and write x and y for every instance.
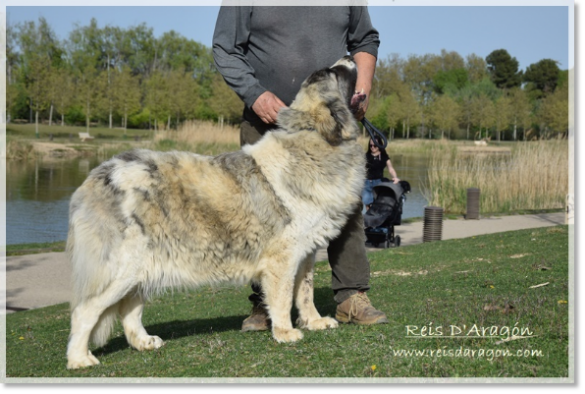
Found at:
(145, 221)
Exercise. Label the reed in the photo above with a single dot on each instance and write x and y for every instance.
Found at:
(205, 138)
(535, 175)
(19, 150)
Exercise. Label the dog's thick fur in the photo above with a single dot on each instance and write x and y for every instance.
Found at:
(145, 221)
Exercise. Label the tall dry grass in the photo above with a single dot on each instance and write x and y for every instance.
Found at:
(198, 132)
(534, 176)
(200, 137)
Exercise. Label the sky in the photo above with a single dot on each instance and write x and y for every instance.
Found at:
(528, 33)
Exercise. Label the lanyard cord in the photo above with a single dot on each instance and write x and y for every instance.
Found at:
(373, 131)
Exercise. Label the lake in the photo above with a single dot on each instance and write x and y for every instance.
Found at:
(38, 193)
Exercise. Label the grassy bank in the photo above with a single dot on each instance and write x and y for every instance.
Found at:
(535, 175)
(198, 137)
(484, 281)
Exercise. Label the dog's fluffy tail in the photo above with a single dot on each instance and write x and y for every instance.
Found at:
(89, 246)
(103, 329)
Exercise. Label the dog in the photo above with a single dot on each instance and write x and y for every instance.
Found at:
(146, 221)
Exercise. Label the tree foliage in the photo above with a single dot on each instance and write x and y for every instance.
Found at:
(544, 77)
(130, 77)
(503, 69)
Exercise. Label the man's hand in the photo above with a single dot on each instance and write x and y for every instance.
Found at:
(267, 106)
(359, 105)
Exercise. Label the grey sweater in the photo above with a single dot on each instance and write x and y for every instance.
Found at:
(275, 48)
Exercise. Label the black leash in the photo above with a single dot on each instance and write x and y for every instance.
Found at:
(373, 131)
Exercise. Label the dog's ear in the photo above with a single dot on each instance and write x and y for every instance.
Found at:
(343, 126)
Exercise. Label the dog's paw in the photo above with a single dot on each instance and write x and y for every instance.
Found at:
(287, 335)
(322, 324)
(149, 343)
(88, 360)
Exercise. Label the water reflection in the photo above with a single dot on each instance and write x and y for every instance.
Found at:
(37, 198)
(38, 193)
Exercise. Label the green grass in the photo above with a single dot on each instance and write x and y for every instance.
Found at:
(482, 280)
(32, 248)
(61, 133)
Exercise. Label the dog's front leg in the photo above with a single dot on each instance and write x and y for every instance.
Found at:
(309, 317)
(277, 284)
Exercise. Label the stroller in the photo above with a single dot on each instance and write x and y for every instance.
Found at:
(385, 213)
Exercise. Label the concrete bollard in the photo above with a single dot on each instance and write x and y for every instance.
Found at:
(433, 224)
(472, 203)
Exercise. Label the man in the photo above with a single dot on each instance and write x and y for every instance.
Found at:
(264, 54)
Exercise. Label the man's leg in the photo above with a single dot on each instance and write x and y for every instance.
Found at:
(347, 257)
(351, 274)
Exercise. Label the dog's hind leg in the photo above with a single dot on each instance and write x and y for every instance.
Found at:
(131, 308)
(309, 317)
(84, 319)
(278, 286)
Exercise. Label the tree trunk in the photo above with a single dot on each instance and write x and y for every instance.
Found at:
(87, 117)
(51, 115)
(37, 123)
(62, 119)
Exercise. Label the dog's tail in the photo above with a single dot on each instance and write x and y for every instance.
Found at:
(104, 327)
(89, 246)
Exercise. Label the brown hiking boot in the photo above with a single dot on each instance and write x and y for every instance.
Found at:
(258, 320)
(358, 309)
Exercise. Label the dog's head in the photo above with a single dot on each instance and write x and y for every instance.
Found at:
(324, 103)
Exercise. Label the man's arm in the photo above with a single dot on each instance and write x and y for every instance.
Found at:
(366, 65)
(230, 40)
(363, 42)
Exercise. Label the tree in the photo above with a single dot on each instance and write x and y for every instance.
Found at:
(418, 74)
(41, 52)
(503, 69)
(519, 110)
(467, 98)
(502, 115)
(39, 71)
(449, 82)
(90, 90)
(444, 114)
(225, 102)
(450, 61)
(63, 92)
(544, 76)
(388, 76)
(553, 113)
(482, 113)
(412, 112)
(126, 95)
(156, 97)
(476, 68)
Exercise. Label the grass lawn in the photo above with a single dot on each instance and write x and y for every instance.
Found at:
(483, 281)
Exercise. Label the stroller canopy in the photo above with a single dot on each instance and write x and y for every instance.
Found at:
(388, 197)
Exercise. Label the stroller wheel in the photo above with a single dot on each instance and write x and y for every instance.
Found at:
(397, 241)
(387, 244)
